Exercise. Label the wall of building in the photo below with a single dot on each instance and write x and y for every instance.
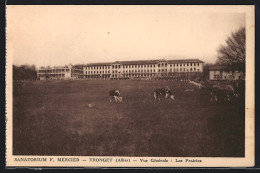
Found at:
(59, 73)
(224, 75)
(144, 69)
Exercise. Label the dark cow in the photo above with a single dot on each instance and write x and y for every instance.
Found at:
(163, 92)
(114, 94)
(222, 93)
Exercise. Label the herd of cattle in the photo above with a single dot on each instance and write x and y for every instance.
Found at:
(218, 93)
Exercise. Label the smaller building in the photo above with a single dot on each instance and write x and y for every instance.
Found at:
(219, 73)
(66, 72)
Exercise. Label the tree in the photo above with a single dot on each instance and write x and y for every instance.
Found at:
(24, 72)
(205, 72)
(232, 55)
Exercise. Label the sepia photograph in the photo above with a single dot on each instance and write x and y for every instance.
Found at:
(130, 86)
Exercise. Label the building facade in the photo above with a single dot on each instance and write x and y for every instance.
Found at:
(218, 73)
(143, 69)
(66, 72)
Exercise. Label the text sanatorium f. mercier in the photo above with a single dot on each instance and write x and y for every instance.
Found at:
(43, 159)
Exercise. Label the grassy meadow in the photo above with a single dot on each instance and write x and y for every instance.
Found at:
(54, 118)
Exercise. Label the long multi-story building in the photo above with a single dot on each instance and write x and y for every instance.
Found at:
(66, 72)
(143, 69)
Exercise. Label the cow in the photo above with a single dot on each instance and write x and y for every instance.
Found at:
(222, 93)
(116, 95)
(163, 92)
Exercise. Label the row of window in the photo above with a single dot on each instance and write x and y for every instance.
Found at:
(53, 71)
(138, 71)
(184, 69)
(187, 64)
(219, 77)
(142, 71)
(52, 75)
(98, 67)
(138, 66)
(77, 71)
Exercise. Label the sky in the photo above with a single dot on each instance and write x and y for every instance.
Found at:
(62, 35)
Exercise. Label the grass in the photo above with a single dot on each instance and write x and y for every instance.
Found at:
(53, 118)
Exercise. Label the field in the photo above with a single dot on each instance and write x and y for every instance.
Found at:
(54, 118)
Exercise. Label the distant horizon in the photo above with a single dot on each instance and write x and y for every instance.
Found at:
(167, 59)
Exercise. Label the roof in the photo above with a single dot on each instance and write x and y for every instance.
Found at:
(185, 61)
(216, 67)
(99, 64)
(137, 62)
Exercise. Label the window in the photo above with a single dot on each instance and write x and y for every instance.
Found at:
(158, 70)
(177, 65)
(158, 65)
(180, 64)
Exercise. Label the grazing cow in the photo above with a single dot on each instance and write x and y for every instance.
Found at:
(116, 95)
(222, 93)
(163, 92)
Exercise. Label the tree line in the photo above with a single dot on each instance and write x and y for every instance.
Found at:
(231, 55)
(24, 72)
